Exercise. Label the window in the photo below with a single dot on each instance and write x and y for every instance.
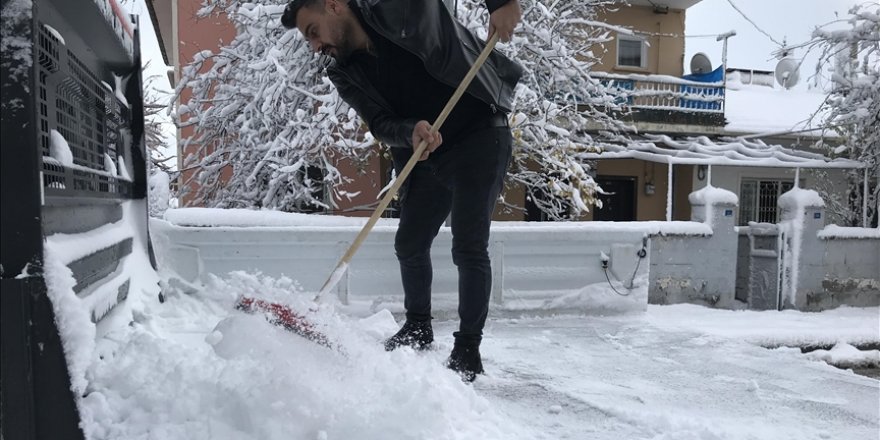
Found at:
(758, 200)
(631, 52)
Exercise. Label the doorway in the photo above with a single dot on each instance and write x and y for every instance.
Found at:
(620, 204)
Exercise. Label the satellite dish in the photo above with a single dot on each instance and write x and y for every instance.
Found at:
(787, 74)
(700, 64)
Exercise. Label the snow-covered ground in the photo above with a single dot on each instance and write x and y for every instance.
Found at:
(192, 368)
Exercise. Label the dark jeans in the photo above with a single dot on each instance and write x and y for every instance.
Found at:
(465, 177)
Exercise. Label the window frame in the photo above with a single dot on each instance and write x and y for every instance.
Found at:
(783, 184)
(643, 44)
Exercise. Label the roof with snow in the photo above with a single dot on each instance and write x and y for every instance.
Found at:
(727, 151)
(759, 109)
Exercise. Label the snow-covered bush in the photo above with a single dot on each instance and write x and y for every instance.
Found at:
(159, 193)
(265, 113)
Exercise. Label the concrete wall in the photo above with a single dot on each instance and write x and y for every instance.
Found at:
(556, 266)
(694, 269)
(534, 267)
(802, 264)
(851, 274)
(834, 270)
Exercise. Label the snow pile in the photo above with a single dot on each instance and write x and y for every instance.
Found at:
(834, 231)
(235, 376)
(710, 195)
(797, 199)
(73, 315)
(59, 149)
(844, 355)
(609, 298)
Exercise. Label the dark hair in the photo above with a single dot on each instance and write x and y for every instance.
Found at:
(288, 19)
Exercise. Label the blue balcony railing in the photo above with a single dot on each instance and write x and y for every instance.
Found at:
(661, 92)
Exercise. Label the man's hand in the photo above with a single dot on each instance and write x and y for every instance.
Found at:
(422, 131)
(504, 20)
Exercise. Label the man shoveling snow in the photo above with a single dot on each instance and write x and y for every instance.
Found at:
(397, 63)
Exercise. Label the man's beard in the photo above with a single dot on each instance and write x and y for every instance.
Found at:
(344, 46)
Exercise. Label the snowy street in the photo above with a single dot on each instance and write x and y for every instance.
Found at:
(635, 377)
(676, 372)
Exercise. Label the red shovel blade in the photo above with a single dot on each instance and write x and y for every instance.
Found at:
(283, 316)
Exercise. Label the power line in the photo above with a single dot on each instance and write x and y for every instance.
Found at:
(753, 23)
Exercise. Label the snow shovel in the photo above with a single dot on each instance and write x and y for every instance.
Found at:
(286, 317)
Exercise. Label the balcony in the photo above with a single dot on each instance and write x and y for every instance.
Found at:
(667, 99)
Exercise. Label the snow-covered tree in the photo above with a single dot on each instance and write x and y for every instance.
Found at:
(852, 57)
(265, 113)
(557, 100)
(263, 108)
(155, 124)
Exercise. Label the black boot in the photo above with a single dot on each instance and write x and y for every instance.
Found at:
(465, 360)
(416, 334)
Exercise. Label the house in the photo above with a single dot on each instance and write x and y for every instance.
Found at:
(685, 128)
(742, 132)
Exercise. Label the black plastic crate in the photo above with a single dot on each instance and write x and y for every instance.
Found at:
(72, 100)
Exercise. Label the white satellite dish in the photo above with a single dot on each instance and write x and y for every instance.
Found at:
(787, 74)
(700, 64)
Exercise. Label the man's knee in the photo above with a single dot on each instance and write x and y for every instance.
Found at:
(470, 254)
(411, 251)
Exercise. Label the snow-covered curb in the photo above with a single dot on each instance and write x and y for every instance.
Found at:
(844, 355)
(841, 232)
(851, 325)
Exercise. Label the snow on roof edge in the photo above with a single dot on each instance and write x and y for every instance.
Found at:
(725, 151)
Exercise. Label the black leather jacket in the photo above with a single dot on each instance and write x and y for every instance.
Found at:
(428, 30)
